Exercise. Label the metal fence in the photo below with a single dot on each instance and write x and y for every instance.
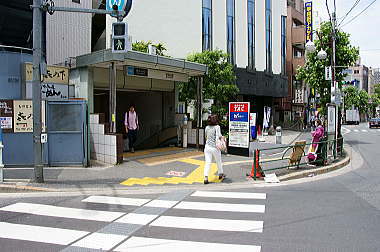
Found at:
(295, 156)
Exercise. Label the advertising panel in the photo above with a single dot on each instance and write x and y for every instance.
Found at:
(6, 115)
(239, 124)
(309, 21)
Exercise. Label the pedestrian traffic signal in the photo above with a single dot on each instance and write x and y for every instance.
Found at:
(119, 37)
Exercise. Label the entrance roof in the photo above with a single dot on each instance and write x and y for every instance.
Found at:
(103, 59)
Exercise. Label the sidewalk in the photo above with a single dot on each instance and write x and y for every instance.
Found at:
(185, 168)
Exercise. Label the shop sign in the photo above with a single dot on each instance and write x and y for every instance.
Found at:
(239, 124)
(6, 115)
(54, 74)
(23, 116)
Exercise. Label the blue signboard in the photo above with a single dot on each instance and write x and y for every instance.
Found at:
(119, 3)
(309, 21)
(239, 116)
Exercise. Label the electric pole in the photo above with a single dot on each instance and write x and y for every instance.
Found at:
(37, 125)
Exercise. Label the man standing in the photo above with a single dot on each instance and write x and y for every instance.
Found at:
(131, 123)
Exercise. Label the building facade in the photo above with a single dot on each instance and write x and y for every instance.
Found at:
(293, 104)
(358, 76)
(253, 32)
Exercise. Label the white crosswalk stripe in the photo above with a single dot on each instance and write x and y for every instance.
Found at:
(63, 212)
(363, 130)
(116, 200)
(144, 216)
(142, 244)
(248, 208)
(209, 224)
(39, 234)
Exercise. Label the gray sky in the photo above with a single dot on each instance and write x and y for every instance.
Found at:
(364, 30)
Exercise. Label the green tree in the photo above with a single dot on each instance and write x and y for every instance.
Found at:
(375, 102)
(218, 84)
(313, 72)
(377, 89)
(142, 46)
(357, 98)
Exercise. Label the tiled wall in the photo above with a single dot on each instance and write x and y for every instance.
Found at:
(104, 147)
(192, 135)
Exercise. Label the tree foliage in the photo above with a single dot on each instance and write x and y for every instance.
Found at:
(313, 72)
(377, 89)
(218, 84)
(142, 46)
(357, 98)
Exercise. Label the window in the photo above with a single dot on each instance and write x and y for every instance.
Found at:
(268, 34)
(297, 53)
(251, 33)
(283, 44)
(231, 30)
(206, 25)
(356, 71)
(76, 1)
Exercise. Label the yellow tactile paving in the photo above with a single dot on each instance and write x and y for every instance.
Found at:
(195, 177)
(147, 152)
(169, 158)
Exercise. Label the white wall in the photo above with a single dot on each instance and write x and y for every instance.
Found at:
(279, 9)
(177, 24)
(260, 50)
(68, 34)
(241, 33)
(219, 24)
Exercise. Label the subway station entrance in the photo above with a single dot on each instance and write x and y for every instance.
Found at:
(113, 81)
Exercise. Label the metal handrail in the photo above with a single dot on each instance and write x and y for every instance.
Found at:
(257, 152)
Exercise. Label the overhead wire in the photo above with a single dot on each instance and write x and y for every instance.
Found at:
(352, 8)
(359, 13)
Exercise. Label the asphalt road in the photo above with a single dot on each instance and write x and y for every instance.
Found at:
(337, 212)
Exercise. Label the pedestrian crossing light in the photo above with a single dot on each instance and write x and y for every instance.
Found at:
(119, 37)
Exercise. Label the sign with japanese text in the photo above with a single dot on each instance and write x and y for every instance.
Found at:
(6, 115)
(49, 91)
(54, 74)
(309, 21)
(23, 116)
(239, 124)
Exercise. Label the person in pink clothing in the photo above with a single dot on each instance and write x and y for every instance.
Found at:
(317, 136)
(131, 123)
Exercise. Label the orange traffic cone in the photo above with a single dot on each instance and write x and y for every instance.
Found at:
(259, 171)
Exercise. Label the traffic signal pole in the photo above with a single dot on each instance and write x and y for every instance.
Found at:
(39, 6)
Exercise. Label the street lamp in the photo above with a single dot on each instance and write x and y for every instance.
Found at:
(310, 46)
(322, 54)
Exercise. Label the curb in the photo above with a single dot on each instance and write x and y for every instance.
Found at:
(19, 188)
(318, 171)
(244, 184)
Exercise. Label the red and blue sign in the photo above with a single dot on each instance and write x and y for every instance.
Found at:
(239, 112)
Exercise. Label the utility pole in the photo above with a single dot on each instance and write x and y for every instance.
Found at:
(334, 84)
(37, 125)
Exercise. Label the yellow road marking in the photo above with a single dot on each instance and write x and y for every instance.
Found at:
(194, 177)
(147, 152)
(170, 158)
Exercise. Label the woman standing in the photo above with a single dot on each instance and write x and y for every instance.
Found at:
(213, 134)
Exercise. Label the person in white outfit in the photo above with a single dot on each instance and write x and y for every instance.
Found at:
(212, 133)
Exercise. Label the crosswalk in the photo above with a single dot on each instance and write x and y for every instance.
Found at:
(360, 131)
(190, 215)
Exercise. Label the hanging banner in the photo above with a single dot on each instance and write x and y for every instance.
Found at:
(239, 124)
(6, 115)
(309, 21)
(252, 123)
